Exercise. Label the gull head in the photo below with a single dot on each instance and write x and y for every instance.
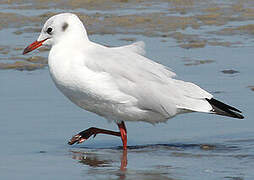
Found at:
(61, 28)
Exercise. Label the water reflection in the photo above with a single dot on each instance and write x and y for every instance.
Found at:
(103, 159)
(108, 157)
(112, 164)
(90, 160)
(158, 161)
(93, 160)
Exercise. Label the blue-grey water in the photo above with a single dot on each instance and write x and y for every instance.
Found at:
(37, 120)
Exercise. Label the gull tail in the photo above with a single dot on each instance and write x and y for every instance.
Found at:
(224, 109)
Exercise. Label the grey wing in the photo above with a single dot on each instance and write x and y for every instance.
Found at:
(151, 83)
(137, 47)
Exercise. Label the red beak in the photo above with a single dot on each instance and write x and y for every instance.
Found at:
(33, 46)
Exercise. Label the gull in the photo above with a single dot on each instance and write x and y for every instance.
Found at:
(117, 83)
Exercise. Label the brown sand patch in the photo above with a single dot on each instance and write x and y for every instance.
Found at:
(21, 66)
(198, 62)
(230, 71)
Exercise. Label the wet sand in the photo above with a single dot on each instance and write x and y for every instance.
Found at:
(181, 20)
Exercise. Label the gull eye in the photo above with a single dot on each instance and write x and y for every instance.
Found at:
(49, 30)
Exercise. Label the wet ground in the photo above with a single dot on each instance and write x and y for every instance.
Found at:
(207, 42)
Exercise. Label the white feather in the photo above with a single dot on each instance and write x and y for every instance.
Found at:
(137, 47)
(119, 83)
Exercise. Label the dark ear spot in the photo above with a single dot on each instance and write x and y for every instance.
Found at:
(65, 25)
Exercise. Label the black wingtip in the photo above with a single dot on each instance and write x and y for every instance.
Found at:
(240, 116)
(224, 109)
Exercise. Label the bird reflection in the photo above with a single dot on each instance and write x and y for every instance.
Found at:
(124, 161)
(97, 160)
(92, 161)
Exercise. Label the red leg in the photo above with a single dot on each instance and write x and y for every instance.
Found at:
(123, 133)
(84, 135)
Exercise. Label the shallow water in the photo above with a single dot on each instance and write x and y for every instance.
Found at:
(37, 120)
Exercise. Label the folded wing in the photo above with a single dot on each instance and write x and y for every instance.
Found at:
(150, 83)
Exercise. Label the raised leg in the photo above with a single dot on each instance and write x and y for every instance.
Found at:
(93, 131)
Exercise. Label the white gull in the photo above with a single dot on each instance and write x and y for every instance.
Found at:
(118, 83)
